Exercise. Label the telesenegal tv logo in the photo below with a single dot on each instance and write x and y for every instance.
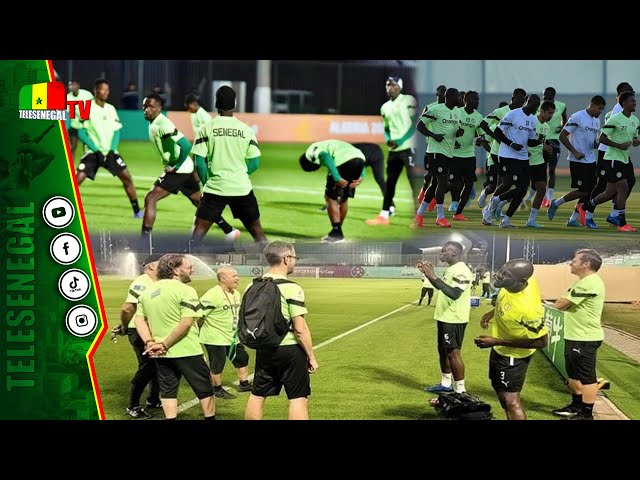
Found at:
(48, 101)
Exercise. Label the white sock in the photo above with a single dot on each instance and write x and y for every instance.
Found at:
(482, 197)
(559, 201)
(532, 193)
(459, 386)
(614, 212)
(502, 204)
(574, 216)
(446, 379)
(550, 194)
(532, 215)
(506, 220)
(384, 214)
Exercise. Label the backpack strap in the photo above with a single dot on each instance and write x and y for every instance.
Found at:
(280, 281)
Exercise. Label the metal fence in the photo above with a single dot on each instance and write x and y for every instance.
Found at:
(343, 87)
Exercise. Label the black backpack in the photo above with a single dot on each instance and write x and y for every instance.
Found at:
(260, 322)
(462, 406)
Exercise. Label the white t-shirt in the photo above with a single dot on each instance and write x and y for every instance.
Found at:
(518, 128)
(583, 130)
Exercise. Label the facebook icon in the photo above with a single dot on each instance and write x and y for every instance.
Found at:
(66, 248)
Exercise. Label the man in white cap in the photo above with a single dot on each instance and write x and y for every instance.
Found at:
(398, 119)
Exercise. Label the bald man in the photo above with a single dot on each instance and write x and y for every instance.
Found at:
(218, 332)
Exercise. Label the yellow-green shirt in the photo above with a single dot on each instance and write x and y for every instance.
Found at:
(493, 120)
(470, 123)
(199, 118)
(102, 125)
(397, 118)
(582, 321)
(620, 129)
(555, 123)
(164, 304)
(226, 143)
(535, 153)
(449, 310)
(292, 303)
(444, 121)
(518, 316)
(135, 290)
(220, 310)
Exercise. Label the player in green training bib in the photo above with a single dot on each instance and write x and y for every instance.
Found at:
(346, 165)
(226, 152)
(199, 116)
(398, 118)
(583, 334)
(517, 331)
(101, 135)
(537, 167)
(179, 174)
(557, 122)
(619, 133)
(166, 322)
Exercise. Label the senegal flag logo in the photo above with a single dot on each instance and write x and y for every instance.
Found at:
(43, 101)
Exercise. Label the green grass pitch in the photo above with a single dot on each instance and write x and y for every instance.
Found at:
(376, 372)
(289, 199)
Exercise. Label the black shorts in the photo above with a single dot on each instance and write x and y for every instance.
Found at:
(583, 176)
(73, 132)
(89, 165)
(450, 336)
(218, 355)
(492, 175)
(244, 208)
(373, 154)
(464, 168)
(439, 165)
(281, 366)
(538, 173)
(552, 158)
(514, 172)
(507, 374)
(601, 170)
(616, 171)
(428, 157)
(350, 171)
(174, 182)
(407, 157)
(195, 371)
(580, 360)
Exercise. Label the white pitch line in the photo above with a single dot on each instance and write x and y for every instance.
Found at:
(370, 322)
(195, 401)
(268, 188)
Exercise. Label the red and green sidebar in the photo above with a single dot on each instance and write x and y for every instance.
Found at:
(52, 311)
